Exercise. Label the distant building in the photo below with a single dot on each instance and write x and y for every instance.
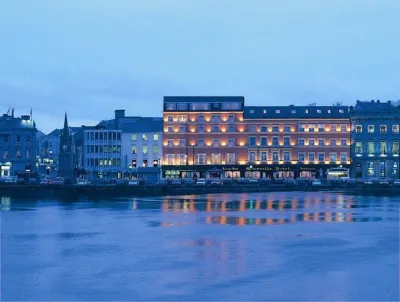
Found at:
(102, 153)
(17, 144)
(375, 140)
(66, 158)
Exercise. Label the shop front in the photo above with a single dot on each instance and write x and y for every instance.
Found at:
(5, 169)
(248, 171)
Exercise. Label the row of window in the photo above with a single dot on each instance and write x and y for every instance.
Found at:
(301, 157)
(92, 162)
(254, 128)
(18, 154)
(103, 149)
(217, 118)
(382, 147)
(145, 149)
(276, 156)
(97, 162)
(263, 142)
(294, 111)
(203, 106)
(383, 129)
(103, 135)
(145, 137)
(6, 138)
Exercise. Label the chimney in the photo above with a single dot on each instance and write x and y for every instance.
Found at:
(372, 101)
(378, 101)
(358, 101)
(120, 113)
(390, 102)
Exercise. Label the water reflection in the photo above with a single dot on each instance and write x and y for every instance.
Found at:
(306, 217)
(209, 205)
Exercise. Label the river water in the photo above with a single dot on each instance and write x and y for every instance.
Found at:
(224, 247)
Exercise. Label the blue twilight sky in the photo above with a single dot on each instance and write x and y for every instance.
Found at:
(93, 56)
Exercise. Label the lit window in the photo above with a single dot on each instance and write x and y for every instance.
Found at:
(341, 111)
(371, 128)
(395, 129)
(293, 111)
(286, 156)
(155, 137)
(358, 147)
(306, 110)
(144, 137)
(252, 156)
(265, 111)
(134, 150)
(329, 111)
(277, 111)
(319, 111)
(144, 149)
(251, 111)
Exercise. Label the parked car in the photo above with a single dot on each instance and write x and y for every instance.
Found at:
(351, 182)
(228, 181)
(57, 181)
(10, 180)
(368, 182)
(265, 181)
(201, 182)
(396, 182)
(188, 181)
(133, 182)
(176, 181)
(384, 182)
(316, 183)
(83, 182)
(215, 182)
(253, 180)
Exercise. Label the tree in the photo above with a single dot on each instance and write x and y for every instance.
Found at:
(337, 104)
(312, 104)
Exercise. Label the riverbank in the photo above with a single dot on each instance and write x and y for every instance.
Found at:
(73, 192)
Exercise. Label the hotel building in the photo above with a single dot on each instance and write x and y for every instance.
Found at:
(220, 137)
(376, 140)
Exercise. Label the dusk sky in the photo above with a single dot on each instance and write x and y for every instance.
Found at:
(90, 57)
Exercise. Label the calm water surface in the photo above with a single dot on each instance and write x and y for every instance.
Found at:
(275, 246)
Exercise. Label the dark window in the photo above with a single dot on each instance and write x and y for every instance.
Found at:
(18, 138)
(6, 138)
(96, 135)
(252, 141)
(28, 139)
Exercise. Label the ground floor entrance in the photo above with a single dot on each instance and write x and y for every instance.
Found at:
(376, 168)
(248, 171)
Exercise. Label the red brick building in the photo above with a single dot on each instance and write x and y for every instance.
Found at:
(220, 137)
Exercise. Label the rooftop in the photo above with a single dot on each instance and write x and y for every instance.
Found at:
(295, 112)
(205, 99)
(10, 122)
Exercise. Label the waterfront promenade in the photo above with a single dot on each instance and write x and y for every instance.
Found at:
(116, 191)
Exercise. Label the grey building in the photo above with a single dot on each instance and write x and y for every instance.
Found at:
(17, 144)
(375, 140)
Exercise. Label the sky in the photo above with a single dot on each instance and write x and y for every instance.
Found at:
(90, 57)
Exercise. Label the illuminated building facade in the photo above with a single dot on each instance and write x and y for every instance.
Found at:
(220, 137)
(375, 140)
(17, 144)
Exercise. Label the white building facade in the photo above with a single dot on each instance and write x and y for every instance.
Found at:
(142, 149)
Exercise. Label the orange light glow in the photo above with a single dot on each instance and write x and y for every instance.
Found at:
(223, 130)
(241, 129)
(208, 130)
(241, 144)
(242, 162)
(223, 144)
(192, 130)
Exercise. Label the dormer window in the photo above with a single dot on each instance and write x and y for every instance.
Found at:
(293, 111)
(341, 111)
(265, 111)
(319, 111)
(329, 111)
(251, 111)
(277, 111)
(306, 110)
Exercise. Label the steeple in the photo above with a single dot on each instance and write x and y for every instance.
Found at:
(66, 130)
